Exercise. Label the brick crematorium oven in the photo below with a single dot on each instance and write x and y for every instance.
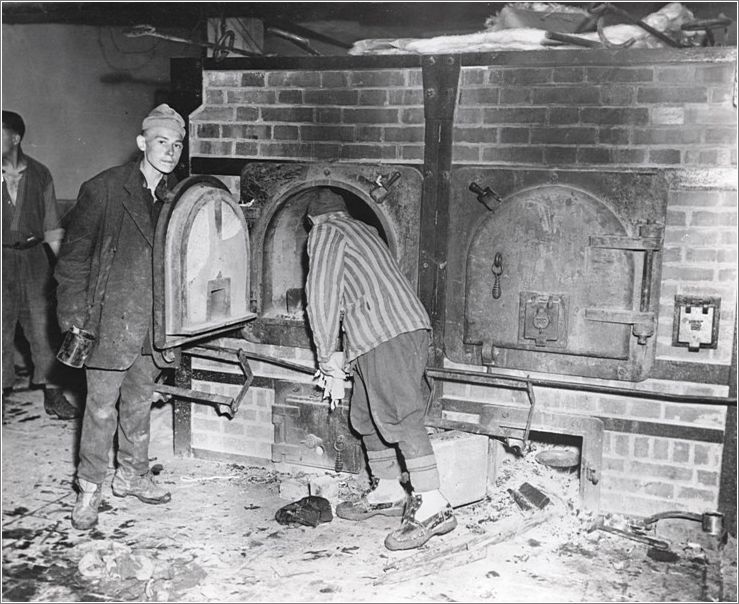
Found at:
(568, 217)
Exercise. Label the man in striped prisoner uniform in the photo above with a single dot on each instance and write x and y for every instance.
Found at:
(354, 280)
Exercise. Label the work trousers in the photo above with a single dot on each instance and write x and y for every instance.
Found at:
(28, 300)
(388, 408)
(133, 390)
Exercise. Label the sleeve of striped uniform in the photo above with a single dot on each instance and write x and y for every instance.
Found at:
(324, 286)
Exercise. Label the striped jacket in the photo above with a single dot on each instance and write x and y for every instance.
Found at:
(352, 272)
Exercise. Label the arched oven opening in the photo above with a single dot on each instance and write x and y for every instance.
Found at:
(284, 266)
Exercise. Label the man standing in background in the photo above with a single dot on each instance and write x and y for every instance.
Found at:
(30, 219)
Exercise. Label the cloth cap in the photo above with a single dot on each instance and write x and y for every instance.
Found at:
(165, 117)
(324, 201)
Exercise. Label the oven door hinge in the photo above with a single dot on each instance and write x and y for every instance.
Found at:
(644, 320)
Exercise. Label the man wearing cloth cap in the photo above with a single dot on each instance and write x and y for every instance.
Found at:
(104, 276)
(354, 280)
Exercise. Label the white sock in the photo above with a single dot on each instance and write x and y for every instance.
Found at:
(388, 489)
(432, 503)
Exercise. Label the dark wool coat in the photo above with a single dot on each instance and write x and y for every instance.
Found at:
(104, 270)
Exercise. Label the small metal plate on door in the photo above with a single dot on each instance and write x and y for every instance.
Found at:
(542, 320)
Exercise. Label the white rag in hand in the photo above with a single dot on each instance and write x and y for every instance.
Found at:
(333, 388)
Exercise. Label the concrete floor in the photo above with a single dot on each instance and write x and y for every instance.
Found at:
(217, 540)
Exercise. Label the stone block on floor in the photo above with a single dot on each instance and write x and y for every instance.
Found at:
(464, 464)
(326, 486)
(293, 489)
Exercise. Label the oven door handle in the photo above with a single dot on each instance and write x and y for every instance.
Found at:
(226, 405)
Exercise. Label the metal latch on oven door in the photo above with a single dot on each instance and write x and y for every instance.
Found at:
(380, 187)
(544, 319)
(643, 320)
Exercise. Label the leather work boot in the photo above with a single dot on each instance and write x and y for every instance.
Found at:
(85, 512)
(56, 404)
(142, 487)
(414, 533)
(386, 501)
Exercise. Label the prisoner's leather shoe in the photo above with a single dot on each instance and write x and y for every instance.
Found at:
(414, 533)
(85, 511)
(142, 487)
(364, 508)
(56, 404)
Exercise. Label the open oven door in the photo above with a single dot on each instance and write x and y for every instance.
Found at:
(201, 273)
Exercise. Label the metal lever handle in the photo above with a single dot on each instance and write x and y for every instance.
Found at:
(497, 270)
(382, 185)
(489, 198)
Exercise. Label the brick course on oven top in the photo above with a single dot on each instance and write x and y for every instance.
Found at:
(630, 109)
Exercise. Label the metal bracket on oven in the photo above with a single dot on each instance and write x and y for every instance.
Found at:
(643, 322)
(649, 241)
(226, 405)
(381, 186)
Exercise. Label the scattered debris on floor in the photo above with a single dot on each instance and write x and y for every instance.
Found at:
(218, 540)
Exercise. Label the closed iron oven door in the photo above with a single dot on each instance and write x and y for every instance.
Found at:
(560, 274)
(201, 264)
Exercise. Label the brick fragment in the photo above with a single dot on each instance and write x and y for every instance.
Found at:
(252, 78)
(518, 115)
(209, 131)
(502, 153)
(617, 95)
(246, 149)
(664, 156)
(527, 76)
(327, 133)
(331, 97)
(287, 114)
(479, 135)
(562, 95)
(404, 135)
(620, 74)
(290, 97)
(373, 97)
(479, 96)
(293, 79)
(371, 116)
(378, 78)
(412, 116)
(665, 471)
(515, 96)
(250, 96)
(334, 79)
(680, 452)
(614, 115)
(466, 153)
(510, 135)
(564, 136)
(670, 94)
(559, 156)
(246, 114)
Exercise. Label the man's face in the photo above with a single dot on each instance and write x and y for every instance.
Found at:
(10, 141)
(162, 148)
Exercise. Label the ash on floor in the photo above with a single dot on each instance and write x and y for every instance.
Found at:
(217, 540)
